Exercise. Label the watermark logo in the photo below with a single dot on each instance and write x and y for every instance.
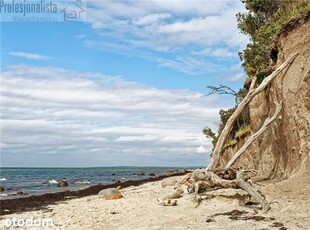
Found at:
(42, 10)
(73, 11)
(30, 222)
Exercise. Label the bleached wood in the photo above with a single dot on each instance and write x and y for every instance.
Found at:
(266, 124)
(243, 184)
(201, 178)
(251, 94)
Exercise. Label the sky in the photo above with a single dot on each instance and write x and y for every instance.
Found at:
(125, 86)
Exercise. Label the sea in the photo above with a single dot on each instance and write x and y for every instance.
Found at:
(36, 181)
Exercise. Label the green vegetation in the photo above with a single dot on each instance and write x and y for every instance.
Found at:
(210, 134)
(242, 131)
(223, 89)
(262, 21)
(242, 121)
(230, 143)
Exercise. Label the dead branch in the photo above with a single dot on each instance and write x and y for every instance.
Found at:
(252, 92)
(206, 179)
(175, 195)
(266, 124)
(241, 181)
(223, 89)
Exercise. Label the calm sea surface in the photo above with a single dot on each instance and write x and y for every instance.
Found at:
(43, 180)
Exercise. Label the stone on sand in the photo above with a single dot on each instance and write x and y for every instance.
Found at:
(168, 182)
(63, 183)
(113, 196)
(110, 194)
(21, 193)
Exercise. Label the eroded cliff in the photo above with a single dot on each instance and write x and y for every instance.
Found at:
(284, 149)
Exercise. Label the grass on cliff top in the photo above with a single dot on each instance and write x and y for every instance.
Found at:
(244, 130)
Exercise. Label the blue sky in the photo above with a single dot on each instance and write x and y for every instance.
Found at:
(123, 87)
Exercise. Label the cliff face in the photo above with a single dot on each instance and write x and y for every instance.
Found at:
(284, 149)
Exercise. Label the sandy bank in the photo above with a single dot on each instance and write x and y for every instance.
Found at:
(138, 209)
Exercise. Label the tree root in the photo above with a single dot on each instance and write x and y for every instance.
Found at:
(175, 195)
(201, 179)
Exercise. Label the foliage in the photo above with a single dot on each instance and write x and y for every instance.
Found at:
(243, 130)
(242, 121)
(238, 134)
(262, 21)
(210, 134)
(223, 89)
(230, 143)
(225, 115)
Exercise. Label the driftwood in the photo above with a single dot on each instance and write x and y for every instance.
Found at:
(227, 174)
(249, 188)
(186, 180)
(252, 92)
(175, 195)
(205, 179)
(229, 177)
(266, 124)
(168, 203)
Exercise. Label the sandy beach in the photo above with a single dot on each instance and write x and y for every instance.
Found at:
(139, 209)
(155, 115)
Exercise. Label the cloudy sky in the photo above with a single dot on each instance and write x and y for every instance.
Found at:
(124, 87)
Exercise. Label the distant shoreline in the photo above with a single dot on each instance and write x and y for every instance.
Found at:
(38, 202)
(109, 167)
(38, 181)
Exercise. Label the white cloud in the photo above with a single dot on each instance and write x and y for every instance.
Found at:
(84, 118)
(146, 137)
(31, 56)
(202, 149)
(189, 65)
(235, 77)
(152, 29)
(219, 52)
(151, 19)
(207, 30)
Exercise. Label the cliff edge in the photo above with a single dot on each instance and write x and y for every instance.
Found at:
(284, 148)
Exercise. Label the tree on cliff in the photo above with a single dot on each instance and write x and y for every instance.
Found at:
(262, 21)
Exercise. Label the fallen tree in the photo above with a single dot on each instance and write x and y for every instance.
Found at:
(205, 179)
(250, 95)
(211, 178)
(253, 137)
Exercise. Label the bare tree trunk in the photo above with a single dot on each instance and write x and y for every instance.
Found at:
(241, 182)
(252, 92)
(266, 124)
(202, 178)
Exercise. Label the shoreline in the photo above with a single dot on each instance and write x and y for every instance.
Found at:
(39, 202)
(139, 209)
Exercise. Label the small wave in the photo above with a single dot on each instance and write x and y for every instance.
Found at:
(3, 194)
(2, 179)
(82, 182)
(52, 182)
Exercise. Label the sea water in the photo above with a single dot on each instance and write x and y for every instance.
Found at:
(34, 181)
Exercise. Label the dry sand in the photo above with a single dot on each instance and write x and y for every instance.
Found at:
(138, 209)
